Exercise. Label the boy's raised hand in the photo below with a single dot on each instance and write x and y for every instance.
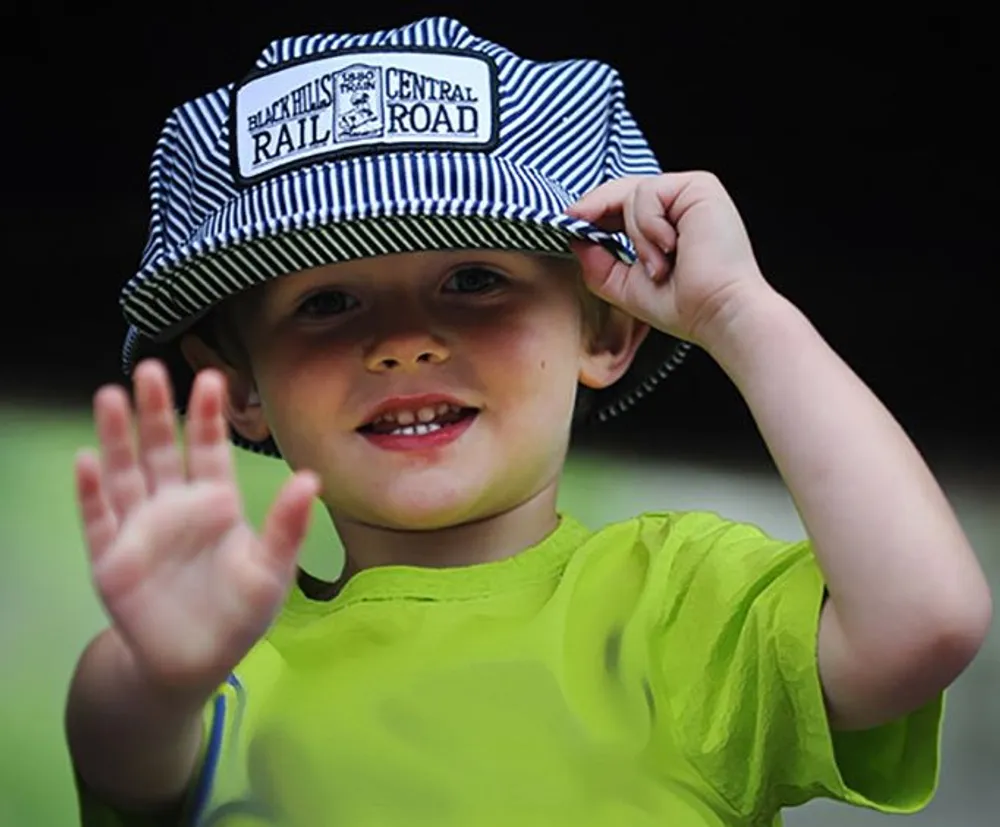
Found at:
(695, 262)
(188, 584)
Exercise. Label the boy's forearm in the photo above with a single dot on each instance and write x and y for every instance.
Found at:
(129, 748)
(901, 575)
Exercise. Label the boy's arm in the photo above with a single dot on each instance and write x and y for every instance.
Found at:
(132, 750)
(908, 605)
(190, 586)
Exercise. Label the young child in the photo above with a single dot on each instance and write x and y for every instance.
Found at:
(393, 260)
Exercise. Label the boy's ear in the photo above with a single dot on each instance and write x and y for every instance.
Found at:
(243, 407)
(609, 352)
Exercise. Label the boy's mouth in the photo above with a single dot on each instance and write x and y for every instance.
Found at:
(417, 422)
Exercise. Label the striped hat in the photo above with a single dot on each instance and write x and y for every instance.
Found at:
(339, 147)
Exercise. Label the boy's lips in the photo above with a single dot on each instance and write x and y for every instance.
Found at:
(407, 410)
(419, 422)
(420, 437)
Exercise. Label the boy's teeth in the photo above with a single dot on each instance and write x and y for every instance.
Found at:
(416, 430)
(416, 423)
(425, 415)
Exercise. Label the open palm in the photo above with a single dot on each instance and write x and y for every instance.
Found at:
(188, 584)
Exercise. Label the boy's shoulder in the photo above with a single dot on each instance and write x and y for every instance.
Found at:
(691, 568)
(691, 535)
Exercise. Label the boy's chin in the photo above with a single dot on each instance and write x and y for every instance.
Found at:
(426, 508)
(418, 516)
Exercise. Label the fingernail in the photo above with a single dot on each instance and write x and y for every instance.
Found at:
(650, 268)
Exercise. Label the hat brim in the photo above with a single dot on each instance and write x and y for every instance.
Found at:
(161, 309)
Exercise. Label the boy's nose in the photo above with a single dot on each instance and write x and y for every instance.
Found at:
(406, 353)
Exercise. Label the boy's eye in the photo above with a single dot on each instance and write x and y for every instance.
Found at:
(326, 303)
(473, 280)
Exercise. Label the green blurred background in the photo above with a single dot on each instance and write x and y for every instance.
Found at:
(48, 611)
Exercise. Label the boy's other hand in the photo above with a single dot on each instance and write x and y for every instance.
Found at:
(695, 266)
(188, 584)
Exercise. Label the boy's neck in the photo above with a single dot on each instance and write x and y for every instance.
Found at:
(482, 541)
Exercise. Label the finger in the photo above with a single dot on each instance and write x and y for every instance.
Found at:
(288, 520)
(209, 455)
(595, 264)
(604, 205)
(158, 451)
(651, 258)
(100, 526)
(625, 287)
(653, 227)
(124, 481)
(262, 580)
(603, 274)
(183, 521)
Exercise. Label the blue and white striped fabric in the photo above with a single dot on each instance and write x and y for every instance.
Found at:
(338, 147)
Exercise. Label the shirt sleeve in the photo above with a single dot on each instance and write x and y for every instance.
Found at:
(738, 640)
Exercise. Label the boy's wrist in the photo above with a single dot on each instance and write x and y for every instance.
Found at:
(745, 322)
(131, 746)
(125, 672)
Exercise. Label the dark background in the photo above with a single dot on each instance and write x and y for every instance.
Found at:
(856, 148)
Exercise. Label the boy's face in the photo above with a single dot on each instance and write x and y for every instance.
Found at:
(490, 344)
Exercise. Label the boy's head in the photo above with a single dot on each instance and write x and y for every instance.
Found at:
(370, 219)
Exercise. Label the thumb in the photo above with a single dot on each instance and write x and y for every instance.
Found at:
(287, 522)
(599, 268)
(607, 276)
(628, 288)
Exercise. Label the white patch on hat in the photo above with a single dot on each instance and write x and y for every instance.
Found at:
(357, 101)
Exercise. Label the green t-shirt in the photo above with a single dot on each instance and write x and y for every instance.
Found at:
(659, 671)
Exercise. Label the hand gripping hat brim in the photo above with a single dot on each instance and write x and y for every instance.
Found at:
(340, 147)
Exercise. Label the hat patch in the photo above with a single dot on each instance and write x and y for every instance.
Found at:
(361, 101)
